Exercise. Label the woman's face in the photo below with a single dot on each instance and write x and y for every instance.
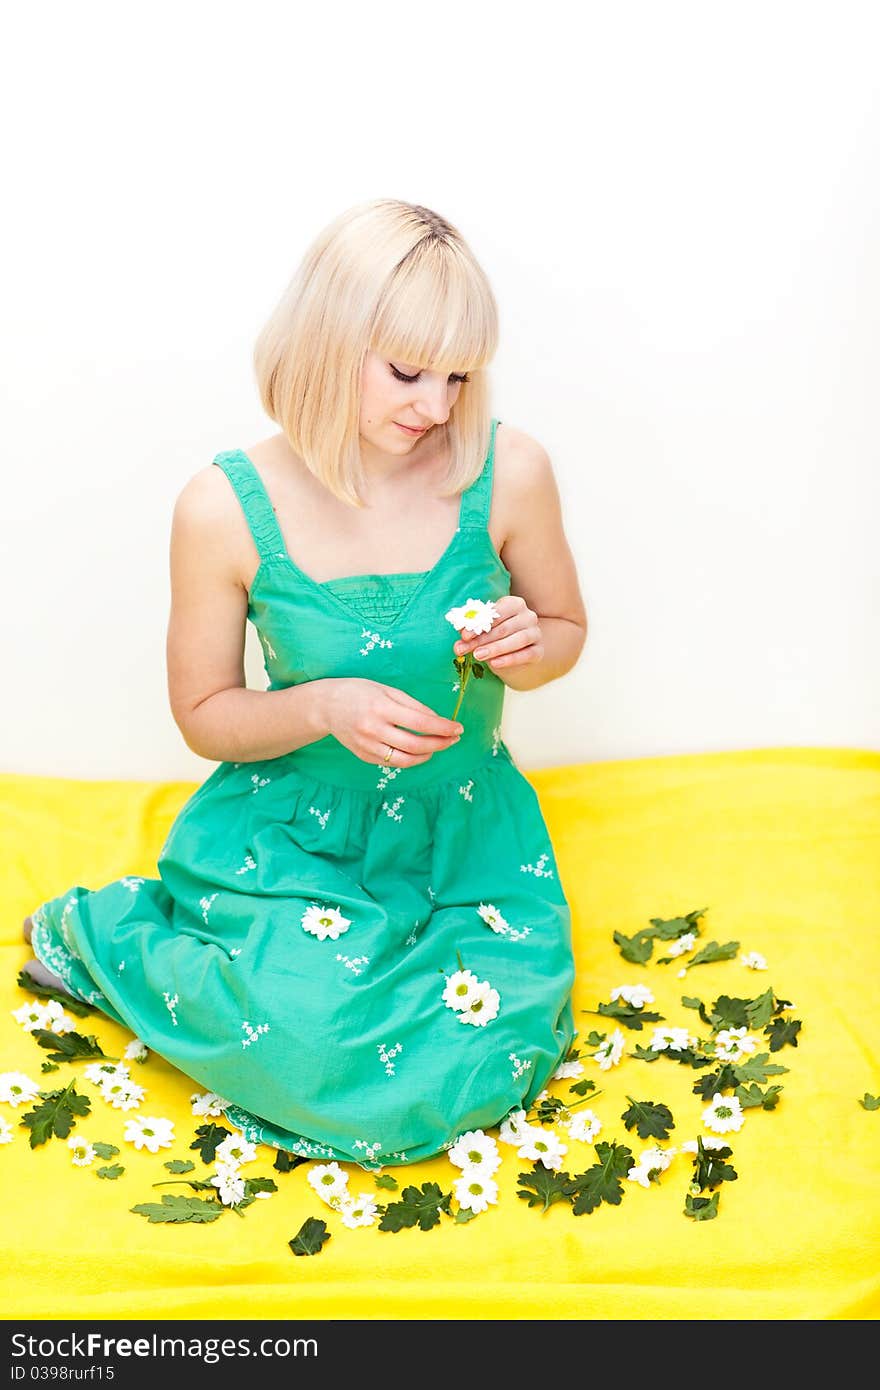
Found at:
(388, 402)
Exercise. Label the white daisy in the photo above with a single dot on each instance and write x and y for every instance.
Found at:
(609, 1053)
(493, 918)
(671, 1039)
(476, 1151)
(583, 1125)
(17, 1088)
(474, 1190)
(723, 1114)
(122, 1093)
(207, 1103)
(229, 1185)
(543, 1145)
(733, 1043)
(150, 1132)
(82, 1153)
(99, 1072)
(5, 1132)
(753, 960)
(329, 1181)
(566, 1069)
(650, 1161)
(475, 615)
(709, 1142)
(51, 1015)
(325, 921)
(514, 1127)
(636, 995)
(235, 1149)
(136, 1051)
(685, 942)
(358, 1211)
(461, 989)
(483, 1007)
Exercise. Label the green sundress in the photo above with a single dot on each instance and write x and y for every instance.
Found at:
(362, 961)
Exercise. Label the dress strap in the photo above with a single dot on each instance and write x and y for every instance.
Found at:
(476, 500)
(255, 503)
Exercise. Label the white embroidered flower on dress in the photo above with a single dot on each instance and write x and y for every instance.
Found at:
(723, 1114)
(150, 1132)
(476, 1151)
(81, 1151)
(324, 922)
(16, 1088)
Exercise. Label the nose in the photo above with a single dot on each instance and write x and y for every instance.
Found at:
(433, 404)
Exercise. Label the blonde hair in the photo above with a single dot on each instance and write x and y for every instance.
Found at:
(397, 278)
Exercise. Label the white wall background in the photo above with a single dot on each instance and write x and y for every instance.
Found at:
(678, 206)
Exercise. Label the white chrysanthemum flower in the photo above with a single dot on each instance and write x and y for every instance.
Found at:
(493, 918)
(483, 1007)
(733, 1043)
(652, 1160)
(100, 1072)
(81, 1151)
(636, 995)
(33, 1015)
(229, 1184)
(686, 942)
(5, 1132)
(609, 1053)
(566, 1069)
(358, 1211)
(136, 1051)
(207, 1103)
(753, 960)
(57, 1021)
(475, 1150)
(475, 615)
(461, 989)
(325, 922)
(235, 1149)
(329, 1181)
(583, 1125)
(150, 1132)
(122, 1092)
(709, 1142)
(671, 1039)
(474, 1190)
(723, 1114)
(514, 1127)
(543, 1145)
(16, 1088)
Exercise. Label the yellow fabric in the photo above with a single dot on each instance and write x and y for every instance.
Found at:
(782, 849)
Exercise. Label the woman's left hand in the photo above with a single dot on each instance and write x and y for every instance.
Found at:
(515, 638)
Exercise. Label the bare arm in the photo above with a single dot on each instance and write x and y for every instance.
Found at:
(218, 716)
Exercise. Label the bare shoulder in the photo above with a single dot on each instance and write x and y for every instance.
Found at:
(523, 476)
(207, 515)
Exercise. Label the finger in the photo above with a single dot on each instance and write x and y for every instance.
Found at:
(524, 637)
(422, 717)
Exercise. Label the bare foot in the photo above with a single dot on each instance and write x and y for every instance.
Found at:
(27, 927)
(41, 976)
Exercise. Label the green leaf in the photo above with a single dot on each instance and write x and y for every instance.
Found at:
(601, 1183)
(750, 1096)
(593, 1039)
(542, 1187)
(285, 1162)
(310, 1238)
(710, 1167)
(252, 1185)
(176, 1209)
(645, 1054)
(582, 1088)
(386, 1180)
(419, 1206)
(729, 1012)
(626, 1014)
(636, 949)
(671, 928)
(208, 1139)
(759, 1011)
(726, 1078)
(550, 1109)
(105, 1150)
(757, 1068)
(464, 1214)
(701, 1208)
(73, 1006)
(869, 1102)
(49, 1066)
(690, 1002)
(179, 1165)
(712, 952)
(649, 1120)
(783, 1033)
(55, 1115)
(114, 1171)
(68, 1047)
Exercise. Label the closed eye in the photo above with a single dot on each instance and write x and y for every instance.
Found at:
(454, 376)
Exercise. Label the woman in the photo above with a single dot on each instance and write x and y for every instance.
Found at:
(358, 937)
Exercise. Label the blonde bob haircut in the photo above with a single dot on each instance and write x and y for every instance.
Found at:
(396, 278)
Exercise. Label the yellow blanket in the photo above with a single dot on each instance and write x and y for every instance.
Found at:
(779, 848)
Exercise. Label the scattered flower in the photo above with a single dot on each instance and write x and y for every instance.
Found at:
(483, 1007)
(514, 1127)
(358, 1211)
(543, 1145)
(651, 1162)
(709, 1142)
(583, 1125)
(82, 1152)
(636, 995)
(229, 1185)
(476, 1151)
(753, 960)
(475, 1191)
(51, 1015)
(686, 942)
(329, 1181)
(609, 1053)
(235, 1149)
(493, 918)
(681, 973)
(733, 1043)
(150, 1132)
(325, 921)
(5, 1132)
(207, 1103)
(566, 1069)
(100, 1072)
(461, 989)
(136, 1051)
(723, 1114)
(16, 1088)
(671, 1039)
(122, 1092)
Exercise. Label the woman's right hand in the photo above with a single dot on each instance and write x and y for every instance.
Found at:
(366, 716)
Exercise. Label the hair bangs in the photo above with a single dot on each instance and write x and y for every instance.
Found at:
(436, 314)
